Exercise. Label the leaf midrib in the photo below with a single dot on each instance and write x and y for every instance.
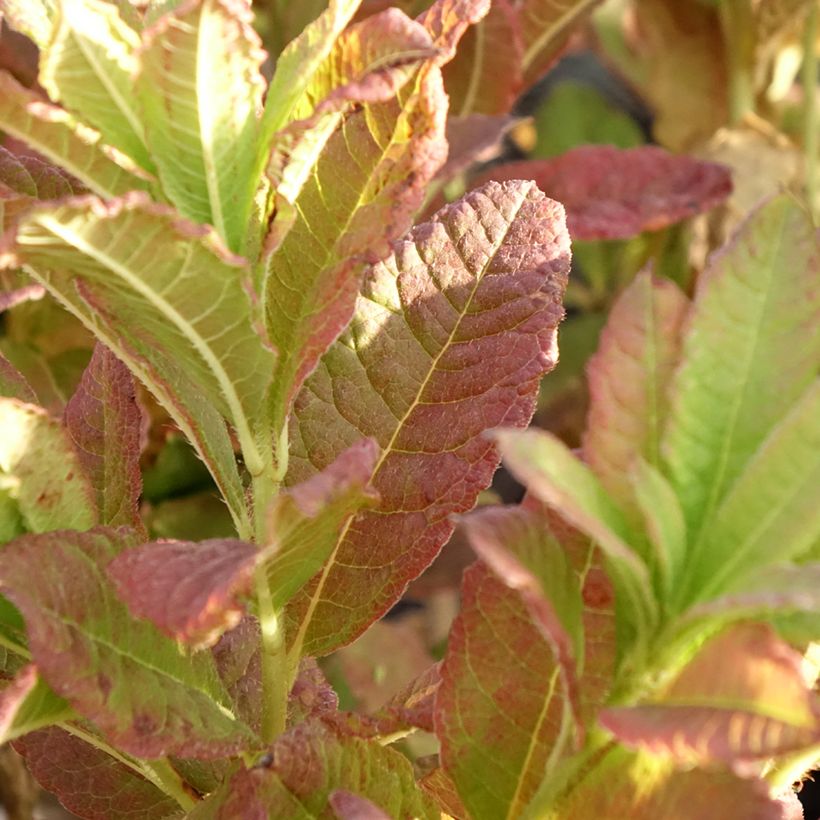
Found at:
(314, 601)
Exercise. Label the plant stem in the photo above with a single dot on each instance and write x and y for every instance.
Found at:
(811, 120)
(738, 36)
(159, 772)
(275, 676)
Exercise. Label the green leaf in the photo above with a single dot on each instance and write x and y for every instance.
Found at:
(88, 66)
(11, 521)
(751, 349)
(553, 474)
(167, 299)
(28, 704)
(483, 280)
(48, 481)
(120, 673)
(88, 781)
(308, 764)
(201, 91)
(67, 143)
(105, 424)
(629, 381)
(774, 501)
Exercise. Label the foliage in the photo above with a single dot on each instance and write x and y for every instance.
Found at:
(255, 369)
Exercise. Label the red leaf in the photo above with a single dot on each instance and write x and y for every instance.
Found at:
(438, 785)
(104, 422)
(89, 782)
(482, 281)
(188, 589)
(311, 696)
(613, 193)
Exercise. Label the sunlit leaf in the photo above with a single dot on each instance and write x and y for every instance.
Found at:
(34, 18)
(28, 704)
(485, 275)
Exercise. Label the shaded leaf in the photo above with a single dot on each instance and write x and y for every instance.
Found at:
(27, 704)
(750, 351)
(104, 423)
(201, 90)
(773, 501)
(386, 151)
(499, 710)
(89, 782)
(13, 384)
(189, 590)
(742, 697)
(523, 554)
(52, 491)
(485, 275)
(349, 806)
(629, 379)
(412, 706)
(88, 66)
(307, 765)
(611, 193)
(58, 136)
(474, 138)
(121, 673)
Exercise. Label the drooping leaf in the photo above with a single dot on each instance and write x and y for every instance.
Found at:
(28, 704)
(750, 350)
(307, 765)
(517, 545)
(629, 380)
(89, 782)
(499, 709)
(386, 151)
(201, 89)
(554, 475)
(104, 423)
(168, 299)
(611, 193)
(742, 697)
(58, 136)
(88, 66)
(118, 672)
(52, 490)
(485, 275)
(189, 590)
(773, 501)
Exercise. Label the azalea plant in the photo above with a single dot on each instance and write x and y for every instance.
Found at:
(293, 324)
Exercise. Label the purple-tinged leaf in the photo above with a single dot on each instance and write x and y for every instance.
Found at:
(499, 709)
(52, 490)
(750, 351)
(743, 697)
(474, 138)
(120, 673)
(629, 378)
(614, 193)
(189, 590)
(105, 424)
(517, 545)
(311, 695)
(13, 384)
(349, 806)
(238, 663)
(27, 293)
(56, 135)
(90, 783)
(306, 766)
(483, 279)
(28, 704)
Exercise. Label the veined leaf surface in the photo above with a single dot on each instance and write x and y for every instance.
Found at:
(120, 673)
(483, 279)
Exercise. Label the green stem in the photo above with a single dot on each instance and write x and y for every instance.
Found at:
(738, 36)
(275, 676)
(159, 772)
(811, 120)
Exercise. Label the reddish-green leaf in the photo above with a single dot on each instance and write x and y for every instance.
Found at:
(441, 788)
(105, 424)
(307, 765)
(499, 710)
(13, 384)
(483, 279)
(52, 490)
(613, 193)
(189, 590)
(28, 704)
(238, 662)
(89, 782)
(412, 706)
(349, 806)
(120, 673)
(743, 697)
(628, 380)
